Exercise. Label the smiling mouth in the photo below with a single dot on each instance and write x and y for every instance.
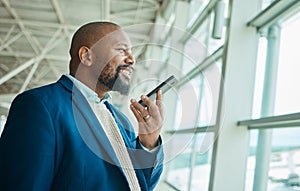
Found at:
(126, 71)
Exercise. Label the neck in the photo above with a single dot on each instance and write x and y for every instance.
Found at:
(100, 89)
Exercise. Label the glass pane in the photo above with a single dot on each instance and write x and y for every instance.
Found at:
(251, 161)
(194, 54)
(188, 104)
(198, 99)
(259, 78)
(284, 169)
(284, 166)
(266, 3)
(196, 8)
(202, 162)
(211, 82)
(191, 167)
(288, 93)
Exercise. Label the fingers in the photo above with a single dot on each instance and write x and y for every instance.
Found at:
(152, 110)
(135, 112)
(159, 102)
(141, 113)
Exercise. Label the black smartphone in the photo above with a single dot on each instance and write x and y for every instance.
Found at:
(164, 87)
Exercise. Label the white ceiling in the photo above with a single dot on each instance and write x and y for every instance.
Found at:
(35, 36)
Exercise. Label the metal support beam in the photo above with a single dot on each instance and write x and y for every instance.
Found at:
(18, 69)
(208, 61)
(104, 9)
(289, 120)
(13, 13)
(10, 41)
(50, 45)
(7, 97)
(134, 12)
(193, 27)
(53, 42)
(39, 24)
(33, 42)
(7, 36)
(264, 143)
(230, 151)
(28, 78)
(58, 11)
(30, 55)
(11, 52)
(277, 11)
(61, 18)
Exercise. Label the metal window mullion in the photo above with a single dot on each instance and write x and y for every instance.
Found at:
(275, 12)
(264, 142)
(208, 61)
(193, 27)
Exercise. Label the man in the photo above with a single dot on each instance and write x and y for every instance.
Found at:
(67, 136)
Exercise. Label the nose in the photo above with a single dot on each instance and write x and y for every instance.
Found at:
(130, 60)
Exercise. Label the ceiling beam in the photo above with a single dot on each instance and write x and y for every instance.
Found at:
(30, 55)
(10, 41)
(7, 97)
(10, 51)
(33, 42)
(53, 42)
(105, 9)
(61, 18)
(29, 77)
(58, 11)
(133, 12)
(10, 31)
(18, 70)
(35, 66)
(133, 3)
(14, 14)
(5, 105)
(50, 45)
(39, 24)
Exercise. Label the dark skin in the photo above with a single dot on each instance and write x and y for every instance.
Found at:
(100, 55)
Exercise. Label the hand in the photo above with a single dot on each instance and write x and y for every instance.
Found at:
(150, 119)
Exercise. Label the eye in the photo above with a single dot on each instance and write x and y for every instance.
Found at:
(121, 50)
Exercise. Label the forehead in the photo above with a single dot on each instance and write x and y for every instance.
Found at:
(114, 37)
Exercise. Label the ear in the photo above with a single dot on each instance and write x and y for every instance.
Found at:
(85, 56)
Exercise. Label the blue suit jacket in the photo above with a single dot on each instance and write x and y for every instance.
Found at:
(53, 141)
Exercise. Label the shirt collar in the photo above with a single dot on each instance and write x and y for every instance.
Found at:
(88, 93)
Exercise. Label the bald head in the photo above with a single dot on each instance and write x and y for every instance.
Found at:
(87, 35)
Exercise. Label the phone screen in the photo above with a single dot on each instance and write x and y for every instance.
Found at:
(164, 87)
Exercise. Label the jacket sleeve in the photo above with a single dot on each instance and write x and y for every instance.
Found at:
(151, 164)
(148, 165)
(27, 146)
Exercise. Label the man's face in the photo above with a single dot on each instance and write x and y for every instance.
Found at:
(114, 61)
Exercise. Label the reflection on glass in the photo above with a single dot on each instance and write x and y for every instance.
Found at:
(191, 168)
(285, 160)
(288, 93)
(211, 81)
(284, 167)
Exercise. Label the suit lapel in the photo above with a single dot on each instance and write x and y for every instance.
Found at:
(88, 125)
(91, 130)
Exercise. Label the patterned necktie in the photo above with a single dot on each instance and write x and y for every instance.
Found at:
(113, 133)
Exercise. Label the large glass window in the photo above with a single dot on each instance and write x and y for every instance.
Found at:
(190, 170)
(284, 155)
(211, 81)
(284, 166)
(288, 93)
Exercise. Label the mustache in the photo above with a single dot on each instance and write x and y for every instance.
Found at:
(125, 66)
(119, 68)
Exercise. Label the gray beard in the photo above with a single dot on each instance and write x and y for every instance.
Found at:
(115, 83)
